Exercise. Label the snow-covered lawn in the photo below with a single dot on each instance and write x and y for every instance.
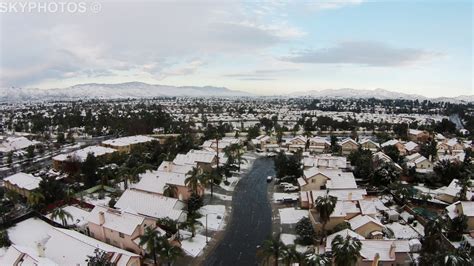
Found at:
(29, 232)
(215, 216)
(232, 183)
(419, 227)
(94, 199)
(291, 215)
(220, 196)
(3, 251)
(288, 239)
(402, 231)
(279, 197)
(192, 246)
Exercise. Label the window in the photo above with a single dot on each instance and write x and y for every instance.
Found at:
(121, 235)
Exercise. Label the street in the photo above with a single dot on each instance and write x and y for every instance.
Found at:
(251, 222)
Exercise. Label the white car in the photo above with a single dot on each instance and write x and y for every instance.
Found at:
(269, 178)
(290, 188)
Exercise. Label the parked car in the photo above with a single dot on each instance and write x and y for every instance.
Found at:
(283, 184)
(290, 188)
(269, 178)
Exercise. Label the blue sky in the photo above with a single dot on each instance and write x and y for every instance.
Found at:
(271, 47)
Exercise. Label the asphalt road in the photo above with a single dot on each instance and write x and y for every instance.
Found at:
(251, 220)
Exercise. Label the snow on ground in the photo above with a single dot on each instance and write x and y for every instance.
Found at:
(29, 232)
(220, 196)
(232, 183)
(278, 197)
(291, 215)
(94, 200)
(215, 216)
(419, 227)
(288, 239)
(402, 231)
(3, 251)
(192, 245)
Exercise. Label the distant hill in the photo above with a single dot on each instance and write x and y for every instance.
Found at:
(144, 90)
(377, 94)
(114, 91)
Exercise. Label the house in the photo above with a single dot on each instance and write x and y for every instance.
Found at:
(348, 145)
(157, 181)
(22, 183)
(338, 216)
(420, 162)
(450, 146)
(418, 135)
(450, 193)
(382, 157)
(307, 198)
(151, 205)
(34, 242)
(462, 208)
(319, 145)
(397, 144)
(205, 160)
(11, 144)
(266, 143)
(297, 143)
(121, 229)
(368, 144)
(126, 144)
(59, 161)
(219, 145)
(367, 226)
(411, 147)
(318, 178)
(325, 161)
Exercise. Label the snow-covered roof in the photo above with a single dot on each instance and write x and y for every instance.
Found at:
(348, 140)
(390, 143)
(155, 181)
(414, 131)
(366, 140)
(123, 222)
(167, 166)
(126, 141)
(413, 157)
(465, 207)
(24, 180)
(361, 220)
(78, 216)
(372, 247)
(149, 204)
(16, 143)
(409, 146)
(344, 233)
(194, 156)
(341, 194)
(81, 154)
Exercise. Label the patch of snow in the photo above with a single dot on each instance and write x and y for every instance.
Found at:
(192, 246)
(29, 232)
(232, 183)
(215, 216)
(220, 196)
(402, 231)
(288, 239)
(291, 215)
(278, 197)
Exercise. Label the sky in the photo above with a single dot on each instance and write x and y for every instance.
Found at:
(267, 48)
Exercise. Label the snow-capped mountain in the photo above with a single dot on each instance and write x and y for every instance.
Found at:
(114, 91)
(377, 94)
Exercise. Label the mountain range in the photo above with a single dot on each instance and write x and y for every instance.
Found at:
(144, 90)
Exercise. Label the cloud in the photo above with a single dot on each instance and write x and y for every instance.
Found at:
(374, 54)
(260, 74)
(333, 4)
(147, 38)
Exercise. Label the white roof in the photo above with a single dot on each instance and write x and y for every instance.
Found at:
(467, 208)
(123, 222)
(81, 154)
(345, 181)
(390, 143)
(347, 140)
(341, 194)
(78, 216)
(413, 157)
(361, 220)
(420, 159)
(155, 181)
(125, 141)
(16, 143)
(414, 131)
(24, 180)
(410, 145)
(371, 247)
(363, 141)
(167, 166)
(150, 204)
(194, 156)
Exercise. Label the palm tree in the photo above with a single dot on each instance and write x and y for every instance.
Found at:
(346, 251)
(35, 198)
(239, 152)
(169, 252)
(151, 241)
(464, 182)
(170, 190)
(62, 215)
(315, 259)
(273, 247)
(125, 174)
(194, 179)
(325, 207)
(192, 222)
(212, 178)
(291, 255)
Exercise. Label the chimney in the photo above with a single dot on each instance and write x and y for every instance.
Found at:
(40, 249)
(101, 218)
(349, 196)
(376, 259)
(392, 250)
(430, 158)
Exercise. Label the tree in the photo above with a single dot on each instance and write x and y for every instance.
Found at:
(193, 179)
(392, 152)
(89, 170)
(212, 178)
(169, 253)
(401, 130)
(170, 190)
(62, 215)
(385, 174)
(4, 239)
(36, 199)
(10, 158)
(192, 222)
(51, 189)
(315, 259)
(346, 251)
(272, 248)
(253, 132)
(447, 171)
(30, 152)
(325, 207)
(304, 230)
(100, 258)
(151, 241)
(432, 241)
(363, 165)
(194, 203)
(334, 146)
(456, 227)
(290, 255)
(60, 139)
